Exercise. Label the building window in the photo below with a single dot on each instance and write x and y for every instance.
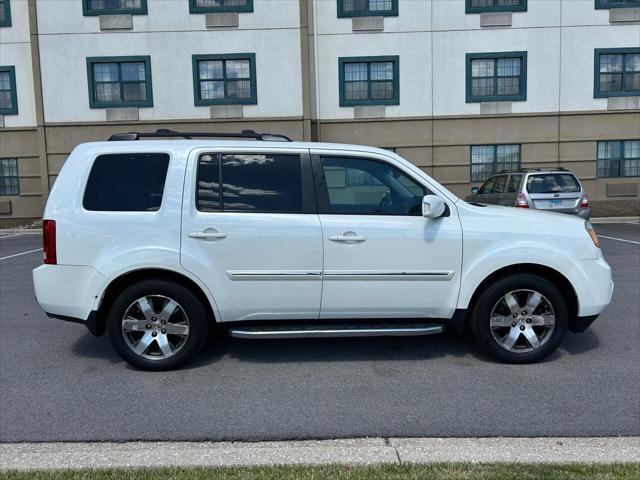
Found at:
(618, 159)
(617, 3)
(617, 72)
(114, 7)
(8, 98)
(480, 6)
(209, 6)
(495, 77)
(119, 82)
(9, 181)
(369, 81)
(487, 160)
(225, 79)
(5, 13)
(367, 8)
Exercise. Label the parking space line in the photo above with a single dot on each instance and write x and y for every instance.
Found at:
(603, 236)
(20, 254)
(10, 236)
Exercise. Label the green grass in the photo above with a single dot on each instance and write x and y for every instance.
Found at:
(337, 472)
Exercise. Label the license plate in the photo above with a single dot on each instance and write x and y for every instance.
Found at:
(555, 203)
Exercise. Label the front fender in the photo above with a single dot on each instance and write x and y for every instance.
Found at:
(478, 268)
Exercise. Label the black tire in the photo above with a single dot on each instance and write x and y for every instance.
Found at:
(187, 300)
(481, 313)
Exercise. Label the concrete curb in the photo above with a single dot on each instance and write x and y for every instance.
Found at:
(364, 451)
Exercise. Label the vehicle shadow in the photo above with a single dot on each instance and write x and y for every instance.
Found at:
(337, 349)
(460, 349)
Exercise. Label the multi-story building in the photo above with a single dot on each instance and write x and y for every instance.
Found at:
(462, 88)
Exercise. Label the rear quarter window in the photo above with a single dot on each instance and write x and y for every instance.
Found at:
(552, 183)
(126, 182)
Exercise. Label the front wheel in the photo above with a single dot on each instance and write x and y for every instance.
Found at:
(157, 325)
(520, 319)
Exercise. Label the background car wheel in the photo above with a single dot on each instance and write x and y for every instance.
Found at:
(157, 325)
(520, 319)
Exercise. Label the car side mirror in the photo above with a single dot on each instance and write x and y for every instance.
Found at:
(475, 190)
(432, 206)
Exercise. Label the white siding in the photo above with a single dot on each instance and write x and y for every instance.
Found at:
(170, 35)
(15, 50)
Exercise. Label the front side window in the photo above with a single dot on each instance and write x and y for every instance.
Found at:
(496, 77)
(617, 72)
(367, 8)
(369, 81)
(212, 6)
(368, 187)
(260, 183)
(617, 3)
(5, 13)
(8, 97)
(119, 82)
(618, 159)
(479, 6)
(224, 79)
(126, 182)
(114, 7)
(487, 160)
(9, 180)
(552, 183)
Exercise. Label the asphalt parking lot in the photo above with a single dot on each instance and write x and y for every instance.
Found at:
(59, 383)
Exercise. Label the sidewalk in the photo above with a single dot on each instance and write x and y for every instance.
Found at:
(365, 451)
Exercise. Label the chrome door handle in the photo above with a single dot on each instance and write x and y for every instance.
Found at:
(347, 238)
(207, 235)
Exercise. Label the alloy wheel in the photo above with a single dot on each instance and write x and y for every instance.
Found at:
(155, 327)
(522, 321)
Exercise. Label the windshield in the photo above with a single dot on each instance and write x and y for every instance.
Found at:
(552, 183)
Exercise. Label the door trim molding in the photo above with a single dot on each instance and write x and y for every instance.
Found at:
(260, 275)
(389, 275)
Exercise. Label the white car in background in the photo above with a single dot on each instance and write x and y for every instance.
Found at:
(154, 241)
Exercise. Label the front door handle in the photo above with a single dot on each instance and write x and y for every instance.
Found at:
(347, 237)
(208, 234)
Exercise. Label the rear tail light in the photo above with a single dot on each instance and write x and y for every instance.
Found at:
(522, 201)
(585, 201)
(49, 242)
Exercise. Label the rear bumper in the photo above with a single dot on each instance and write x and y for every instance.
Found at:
(68, 290)
(580, 212)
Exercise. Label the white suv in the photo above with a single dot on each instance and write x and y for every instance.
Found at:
(154, 241)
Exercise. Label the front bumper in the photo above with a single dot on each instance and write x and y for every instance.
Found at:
(593, 283)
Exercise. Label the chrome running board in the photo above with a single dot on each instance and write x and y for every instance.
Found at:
(328, 331)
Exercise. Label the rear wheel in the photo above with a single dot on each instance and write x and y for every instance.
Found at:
(157, 325)
(520, 319)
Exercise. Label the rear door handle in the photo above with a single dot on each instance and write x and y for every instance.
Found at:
(348, 237)
(207, 235)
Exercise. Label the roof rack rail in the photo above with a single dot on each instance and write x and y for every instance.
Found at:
(165, 133)
(523, 170)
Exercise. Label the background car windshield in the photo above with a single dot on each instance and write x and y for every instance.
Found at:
(552, 183)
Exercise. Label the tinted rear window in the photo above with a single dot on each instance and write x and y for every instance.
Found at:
(126, 182)
(250, 183)
(552, 183)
